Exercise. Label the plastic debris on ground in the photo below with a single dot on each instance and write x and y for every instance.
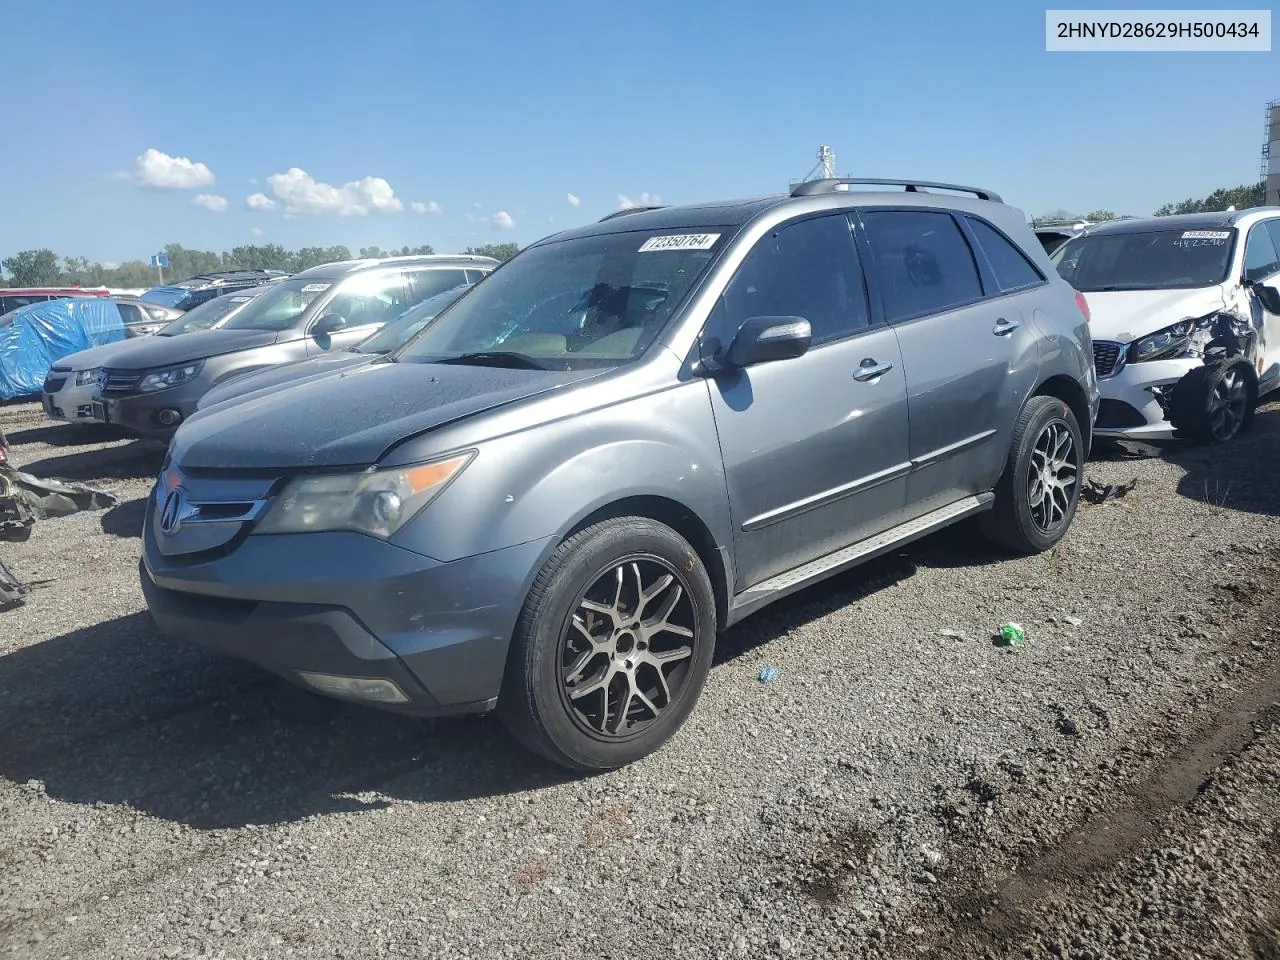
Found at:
(1012, 634)
(1095, 492)
(953, 634)
(37, 335)
(1074, 621)
(12, 590)
(769, 674)
(45, 499)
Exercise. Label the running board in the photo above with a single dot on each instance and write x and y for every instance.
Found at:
(798, 578)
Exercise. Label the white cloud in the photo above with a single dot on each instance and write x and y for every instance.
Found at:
(211, 201)
(573, 200)
(502, 220)
(303, 194)
(431, 207)
(259, 201)
(110, 265)
(256, 231)
(646, 199)
(163, 172)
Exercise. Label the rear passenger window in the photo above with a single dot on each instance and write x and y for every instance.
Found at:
(809, 269)
(923, 262)
(1273, 228)
(1012, 269)
(427, 283)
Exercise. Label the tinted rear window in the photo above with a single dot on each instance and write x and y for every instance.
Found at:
(1012, 269)
(923, 262)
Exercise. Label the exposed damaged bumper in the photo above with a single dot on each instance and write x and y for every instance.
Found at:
(1133, 399)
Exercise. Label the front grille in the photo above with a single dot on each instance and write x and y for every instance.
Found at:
(1117, 415)
(1107, 357)
(119, 381)
(54, 384)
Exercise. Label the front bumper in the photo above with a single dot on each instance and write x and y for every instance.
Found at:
(347, 605)
(71, 403)
(141, 413)
(1129, 408)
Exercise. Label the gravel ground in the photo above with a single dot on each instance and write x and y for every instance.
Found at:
(1108, 789)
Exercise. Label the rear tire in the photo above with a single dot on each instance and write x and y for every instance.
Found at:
(612, 647)
(1037, 494)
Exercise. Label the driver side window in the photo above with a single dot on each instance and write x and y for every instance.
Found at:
(1261, 260)
(366, 300)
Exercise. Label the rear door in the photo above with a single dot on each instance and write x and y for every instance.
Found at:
(969, 345)
(814, 448)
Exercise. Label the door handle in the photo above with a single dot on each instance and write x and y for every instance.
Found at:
(1005, 327)
(870, 370)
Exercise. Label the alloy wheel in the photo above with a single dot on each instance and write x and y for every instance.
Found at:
(1228, 404)
(1052, 476)
(628, 646)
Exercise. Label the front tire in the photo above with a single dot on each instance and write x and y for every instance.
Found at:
(1038, 492)
(1214, 403)
(612, 648)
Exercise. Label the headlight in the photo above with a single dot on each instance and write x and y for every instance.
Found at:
(169, 378)
(86, 377)
(1162, 342)
(376, 502)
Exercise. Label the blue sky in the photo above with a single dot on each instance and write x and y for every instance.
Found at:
(487, 114)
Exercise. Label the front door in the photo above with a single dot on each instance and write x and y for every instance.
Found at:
(1262, 265)
(969, 345)
(814, 448)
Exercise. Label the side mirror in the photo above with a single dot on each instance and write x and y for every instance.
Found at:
(764, 339)
(1269, 294)
(329, 324)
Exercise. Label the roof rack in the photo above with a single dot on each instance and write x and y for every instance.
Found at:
(623, 213)
(809, 188)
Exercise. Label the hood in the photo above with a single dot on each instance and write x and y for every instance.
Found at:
(92, 358)
(1126, 315)
(287, 374)
(352, 417)
(146, 353)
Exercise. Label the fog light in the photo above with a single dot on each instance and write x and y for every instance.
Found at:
(169, 417)
(355, 688)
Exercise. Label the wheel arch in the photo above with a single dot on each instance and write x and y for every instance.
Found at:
(684, 521)
(1072, 394)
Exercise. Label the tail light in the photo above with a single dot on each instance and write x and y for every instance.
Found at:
(1083, 304)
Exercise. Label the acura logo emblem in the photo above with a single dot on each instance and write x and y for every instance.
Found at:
(172, 510)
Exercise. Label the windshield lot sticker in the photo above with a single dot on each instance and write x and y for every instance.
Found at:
(1206, 234)
(680, 241)
(316, 287)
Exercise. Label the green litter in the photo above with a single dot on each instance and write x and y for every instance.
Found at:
(1012, 634)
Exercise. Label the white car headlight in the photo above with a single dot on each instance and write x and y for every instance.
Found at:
(171, 377)
(376, 501)
(86, 377)
(1163, 342)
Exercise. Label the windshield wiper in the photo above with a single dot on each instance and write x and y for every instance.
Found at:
(495, 358)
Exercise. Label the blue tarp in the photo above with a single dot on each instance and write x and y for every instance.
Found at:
(40, 333)
(166, 296)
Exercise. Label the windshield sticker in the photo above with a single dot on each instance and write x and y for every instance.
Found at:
(1200, 242)
(239, 299)
(680, 241)
(316, 287)
(1206, 235)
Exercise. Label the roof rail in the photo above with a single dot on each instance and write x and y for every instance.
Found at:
(830, 185)
(624, 212)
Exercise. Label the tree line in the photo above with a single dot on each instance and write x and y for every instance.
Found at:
(44, 268)
(1242, 197)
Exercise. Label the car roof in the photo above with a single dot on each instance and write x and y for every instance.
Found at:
(1181, 221)
(342, 268)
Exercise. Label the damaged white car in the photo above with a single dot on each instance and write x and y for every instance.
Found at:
(1185, 317)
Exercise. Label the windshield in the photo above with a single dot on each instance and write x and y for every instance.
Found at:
(401, 330)
(279, 307)
(1152, 260)
(594, 301)
(206, 316)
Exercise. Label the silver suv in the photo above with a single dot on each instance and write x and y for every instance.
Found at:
(153, 384)
(625, 439)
